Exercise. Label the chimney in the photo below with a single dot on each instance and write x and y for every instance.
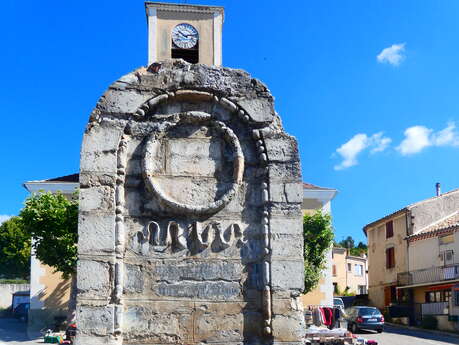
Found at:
(437, 188)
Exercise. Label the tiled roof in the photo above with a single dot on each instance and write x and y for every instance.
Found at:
(403, 210)
(311, 186)
(67, 178)
(74, 178)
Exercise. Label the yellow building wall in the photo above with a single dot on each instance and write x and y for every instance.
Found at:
(316, 296)
(51, 300)
(339, 261)
(354, 280)
(56, 294)
(345, 278)
(378, 275)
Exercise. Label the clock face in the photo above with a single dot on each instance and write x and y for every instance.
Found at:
(185, 36)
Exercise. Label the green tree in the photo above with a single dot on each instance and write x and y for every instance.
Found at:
(52, 221)
(360, 249)
(347, 243)
(14, 249)
(318, 238)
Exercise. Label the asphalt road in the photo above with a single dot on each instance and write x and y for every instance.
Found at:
(13, 332)
(403, 336)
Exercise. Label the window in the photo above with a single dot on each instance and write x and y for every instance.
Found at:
(389, 229)
(358, 270)
(349, 267)
(438, 296)
(189, 55)
(334, 270)
(390, 257)
(456, 298)
(448, 258)
(362, 289)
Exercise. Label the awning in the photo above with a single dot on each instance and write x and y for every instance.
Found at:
(442, 285)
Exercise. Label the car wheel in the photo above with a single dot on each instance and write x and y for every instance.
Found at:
(379, 330)
(354, 328)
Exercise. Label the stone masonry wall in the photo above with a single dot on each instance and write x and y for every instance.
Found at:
(190, 226)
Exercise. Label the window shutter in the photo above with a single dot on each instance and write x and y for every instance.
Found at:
(390, 257)
(389, 229)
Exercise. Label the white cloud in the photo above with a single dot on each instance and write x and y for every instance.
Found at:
(4, 217)
(358, 143)
(446, 137)
(417, 138)
(379, 142)
(392, 55)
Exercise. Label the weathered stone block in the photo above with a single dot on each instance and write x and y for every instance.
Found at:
(259, 109)
(102, 137)
(159, 322)
(284, 225)
(281, 148)
(96, 321)
(96, 233)
(294, 192)
(288, 327)
(99, 199)
(121, 101)
(287, 245)
(287, 274)
(93, 279)
(134, 278)
(99, 162)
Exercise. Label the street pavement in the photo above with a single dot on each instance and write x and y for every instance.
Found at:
(404, 336)
(13, 332)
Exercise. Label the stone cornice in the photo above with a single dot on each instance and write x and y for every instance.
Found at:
(184, 8)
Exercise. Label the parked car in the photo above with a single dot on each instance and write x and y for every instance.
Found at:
(21, 311)
(369, 318)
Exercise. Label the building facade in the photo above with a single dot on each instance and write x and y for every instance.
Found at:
(349, 273)
(319, 198)
(412, 257)
(49, 292)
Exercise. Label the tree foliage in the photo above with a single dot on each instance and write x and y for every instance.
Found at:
(14, 249)
(318, 238)
(349, 243)
(52, 221)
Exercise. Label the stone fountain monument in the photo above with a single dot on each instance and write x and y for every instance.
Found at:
(190, 225)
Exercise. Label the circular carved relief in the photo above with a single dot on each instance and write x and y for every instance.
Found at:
(185, 168)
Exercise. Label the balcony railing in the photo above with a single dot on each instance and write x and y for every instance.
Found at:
(438, 308)
(429, 275)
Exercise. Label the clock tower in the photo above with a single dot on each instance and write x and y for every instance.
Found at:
(189, 32)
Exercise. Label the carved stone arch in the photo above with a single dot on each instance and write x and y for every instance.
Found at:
(175, 286)
(154, 232)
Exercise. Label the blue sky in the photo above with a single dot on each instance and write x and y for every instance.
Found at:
(369, 88)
